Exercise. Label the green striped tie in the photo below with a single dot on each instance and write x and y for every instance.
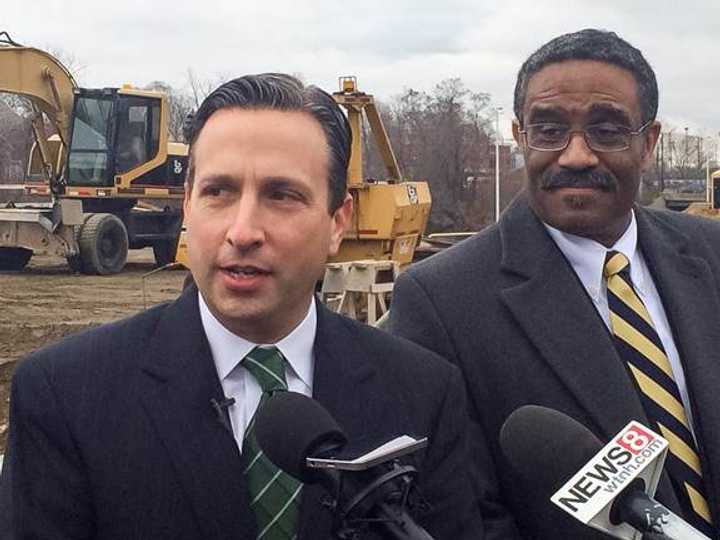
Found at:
(274, 495)
(640, 347)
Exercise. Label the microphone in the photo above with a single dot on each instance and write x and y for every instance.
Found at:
(300, 436)
(604, 486)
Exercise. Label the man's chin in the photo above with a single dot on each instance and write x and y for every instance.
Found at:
(243, 320)
(589, 224)
(251, 309)
(575, 214)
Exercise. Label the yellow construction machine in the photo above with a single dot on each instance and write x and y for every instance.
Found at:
(390, 218)
(390, 214)
(113, 179)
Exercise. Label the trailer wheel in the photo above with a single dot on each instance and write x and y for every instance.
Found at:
(14, 259)
(103, 244)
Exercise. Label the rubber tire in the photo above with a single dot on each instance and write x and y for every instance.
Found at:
(14, 259)
(164, 251)
(103, 244)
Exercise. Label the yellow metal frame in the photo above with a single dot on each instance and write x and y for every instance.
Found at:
(356, 102)
(390, 216)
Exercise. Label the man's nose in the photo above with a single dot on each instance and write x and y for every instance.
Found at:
(578, 155)
(246, 229)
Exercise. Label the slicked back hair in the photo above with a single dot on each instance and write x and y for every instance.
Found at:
(591, 44)
(278, 91)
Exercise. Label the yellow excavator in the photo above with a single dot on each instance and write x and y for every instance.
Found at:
(113, 179)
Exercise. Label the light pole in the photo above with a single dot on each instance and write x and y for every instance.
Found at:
(686, 157)
(711, 185)
(498, 110)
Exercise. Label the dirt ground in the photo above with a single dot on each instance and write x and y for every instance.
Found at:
(46, 301)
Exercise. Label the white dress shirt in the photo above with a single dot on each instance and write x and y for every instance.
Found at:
(228, 350)
(587, 258)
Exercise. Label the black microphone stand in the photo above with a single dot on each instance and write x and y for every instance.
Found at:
(389, 496)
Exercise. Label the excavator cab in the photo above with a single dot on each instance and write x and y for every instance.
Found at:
(117, 142)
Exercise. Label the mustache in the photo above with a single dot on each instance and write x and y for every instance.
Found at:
(588, 179)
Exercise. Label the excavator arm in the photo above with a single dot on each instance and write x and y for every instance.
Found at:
(46, 83)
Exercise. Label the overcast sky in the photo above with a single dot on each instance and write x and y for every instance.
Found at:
(389, 45)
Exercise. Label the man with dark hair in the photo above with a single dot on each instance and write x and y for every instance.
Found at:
(579, 299)
(144, 428)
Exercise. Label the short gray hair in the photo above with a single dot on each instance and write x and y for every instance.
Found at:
(591, 44)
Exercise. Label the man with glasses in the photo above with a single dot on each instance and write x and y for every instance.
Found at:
(579, 299)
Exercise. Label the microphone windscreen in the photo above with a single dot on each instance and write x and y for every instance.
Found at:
(546, 447)
(290, 427)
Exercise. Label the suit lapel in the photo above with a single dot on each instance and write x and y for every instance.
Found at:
(553, 309)
(581, 354)
(689, 294)
(178, 382)
(342, 383)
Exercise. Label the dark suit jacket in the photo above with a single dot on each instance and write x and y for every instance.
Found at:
(112, 434)
(508, 309)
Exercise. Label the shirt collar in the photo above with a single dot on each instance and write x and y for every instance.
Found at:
(587, 257)
(228, 349)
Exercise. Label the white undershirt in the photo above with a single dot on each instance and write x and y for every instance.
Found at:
(229, 349)
(587, 258)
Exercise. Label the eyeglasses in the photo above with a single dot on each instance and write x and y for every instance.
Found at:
(605, 137)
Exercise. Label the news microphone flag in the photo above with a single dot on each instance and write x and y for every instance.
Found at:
(636, 453)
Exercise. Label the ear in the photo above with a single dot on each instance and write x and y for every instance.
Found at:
(652, 134)
(340, 222)
(516, 133)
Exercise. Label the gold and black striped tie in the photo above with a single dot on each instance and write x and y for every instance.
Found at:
(640, 347)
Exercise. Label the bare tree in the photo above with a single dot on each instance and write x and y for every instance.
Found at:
(201, 88)
(72, 63)
(444, 137)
